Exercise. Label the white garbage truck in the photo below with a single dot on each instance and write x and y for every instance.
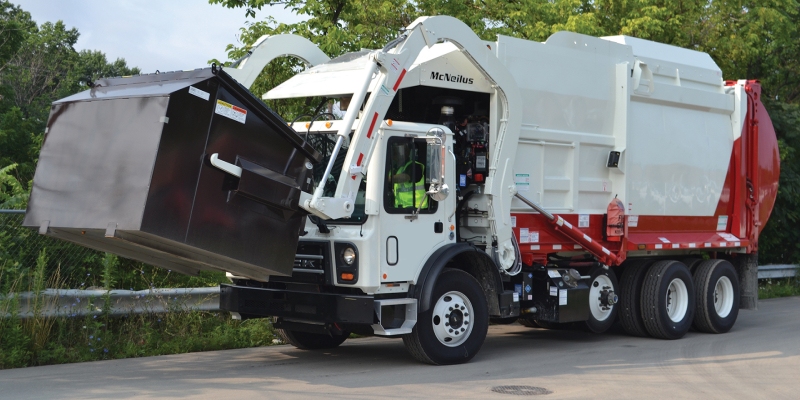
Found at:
(571, 183)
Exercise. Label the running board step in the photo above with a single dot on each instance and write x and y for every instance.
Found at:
(398, 309)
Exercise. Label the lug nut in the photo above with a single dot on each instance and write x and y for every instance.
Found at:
(447, 315)
(446, 324)
(462, 329)
(451, 308)
(451, 331)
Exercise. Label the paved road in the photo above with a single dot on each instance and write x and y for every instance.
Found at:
(759, 358)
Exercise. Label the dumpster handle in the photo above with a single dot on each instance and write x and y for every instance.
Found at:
(225, 166)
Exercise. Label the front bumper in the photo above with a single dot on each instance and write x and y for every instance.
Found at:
(302, 306)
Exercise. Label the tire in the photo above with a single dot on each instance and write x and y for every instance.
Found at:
(603, 300)
(311, 341)
(630, 311)
(692, 263)
(444, 335)
(716, 296)
(668, 300)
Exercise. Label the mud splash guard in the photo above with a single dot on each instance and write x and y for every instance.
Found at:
(125, 169)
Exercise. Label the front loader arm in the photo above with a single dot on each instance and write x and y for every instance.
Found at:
(391, 64)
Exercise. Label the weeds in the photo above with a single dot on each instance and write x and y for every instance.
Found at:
(40, 339)
(772, 288)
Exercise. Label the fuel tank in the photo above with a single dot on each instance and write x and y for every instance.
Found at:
(125, 168)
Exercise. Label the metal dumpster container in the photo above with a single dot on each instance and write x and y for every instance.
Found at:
(125, 168)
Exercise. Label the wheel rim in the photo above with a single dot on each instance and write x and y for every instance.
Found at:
(452, 319)
(600, 291)
(723, 296)
(677, 300)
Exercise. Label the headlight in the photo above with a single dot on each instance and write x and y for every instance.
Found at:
(349, 256)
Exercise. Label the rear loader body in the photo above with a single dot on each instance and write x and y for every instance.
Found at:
(565, 183)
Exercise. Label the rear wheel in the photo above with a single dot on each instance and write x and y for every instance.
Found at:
(717, 297)
(692, 263)
(311, 341)
(603, 299)
(454, 328)
(630, 311)
(668, 300)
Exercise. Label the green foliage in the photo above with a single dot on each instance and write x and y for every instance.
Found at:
(772, 288)
(38, 65)
(135, 335)
(780, 239)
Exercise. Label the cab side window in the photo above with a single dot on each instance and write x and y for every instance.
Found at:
(406, 186)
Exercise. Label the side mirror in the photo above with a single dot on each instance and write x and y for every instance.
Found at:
(435, 171)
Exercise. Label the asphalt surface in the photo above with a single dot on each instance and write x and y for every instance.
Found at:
(759, 358)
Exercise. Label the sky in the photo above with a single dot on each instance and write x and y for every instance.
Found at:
(164, 35)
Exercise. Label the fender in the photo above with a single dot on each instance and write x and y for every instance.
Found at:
(423, 290)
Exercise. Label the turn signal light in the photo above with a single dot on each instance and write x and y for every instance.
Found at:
(328, 124)
(346, 276)
(389, 122)
(642, 246)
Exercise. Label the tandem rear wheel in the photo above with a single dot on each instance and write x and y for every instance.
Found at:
(665, 299)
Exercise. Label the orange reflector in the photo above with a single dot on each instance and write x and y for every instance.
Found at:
(308, 124)
(452, 227)
(385, 276)
(346, 276)
(642, 247)
(328, 124)
(389, 122)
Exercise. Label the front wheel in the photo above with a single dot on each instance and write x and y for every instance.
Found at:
(453, 330)
(311, 341)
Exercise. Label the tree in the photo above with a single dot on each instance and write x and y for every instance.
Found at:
(38, 65)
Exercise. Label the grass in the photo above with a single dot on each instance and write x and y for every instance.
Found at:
(772, 288)
(42, 340)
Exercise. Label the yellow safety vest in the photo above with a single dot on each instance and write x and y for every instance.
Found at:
(405, 192)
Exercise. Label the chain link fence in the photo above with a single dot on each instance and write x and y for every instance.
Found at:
(20, 248)
(70, 266)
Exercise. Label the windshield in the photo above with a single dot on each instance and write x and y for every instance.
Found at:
(324, 143)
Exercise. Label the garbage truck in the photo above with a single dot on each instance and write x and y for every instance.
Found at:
(571, 183)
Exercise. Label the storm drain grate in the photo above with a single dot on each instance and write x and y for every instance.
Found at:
(521, 390)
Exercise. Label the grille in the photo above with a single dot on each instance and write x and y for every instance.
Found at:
(311, 257)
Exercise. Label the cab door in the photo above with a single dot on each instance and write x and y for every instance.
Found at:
(413, 225)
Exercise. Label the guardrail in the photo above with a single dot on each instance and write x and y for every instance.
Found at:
(76, 302)
(777, 271)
